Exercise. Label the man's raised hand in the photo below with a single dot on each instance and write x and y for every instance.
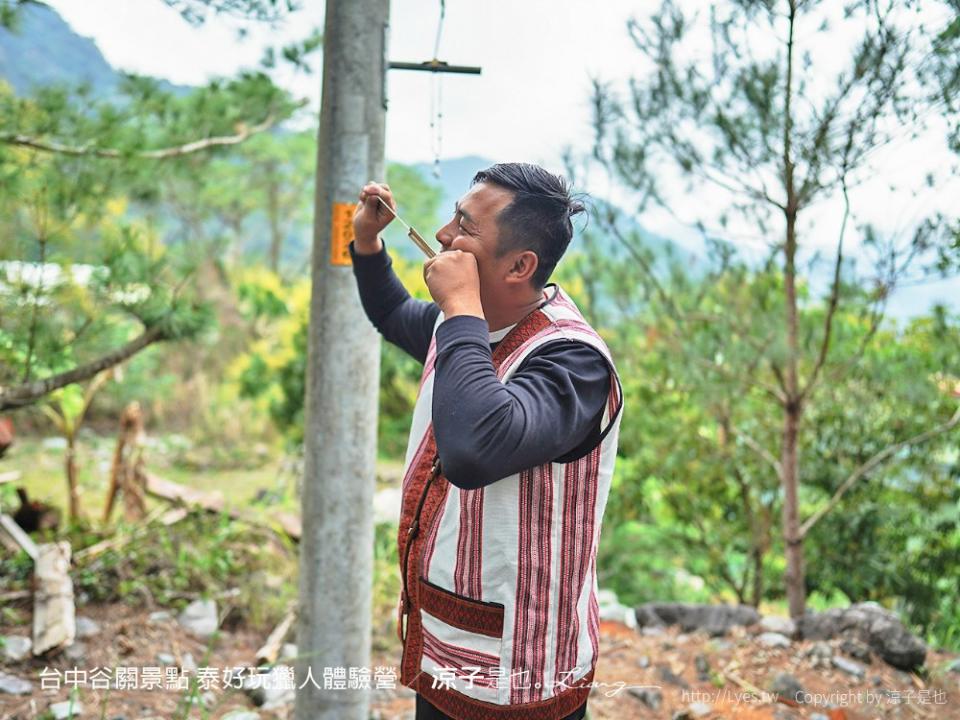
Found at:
(454, 283)
(371, 217)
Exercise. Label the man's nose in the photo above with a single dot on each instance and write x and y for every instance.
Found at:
(444, 236)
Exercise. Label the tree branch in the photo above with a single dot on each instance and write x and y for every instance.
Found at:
(770, 390)
(35, 310)
(28, 393)
(811, 183)
(744, 155)
(160, 154)
(611, 222)
(834, 298)
(876, 317)
(765, 454)
(874, 462)
(720, 560)
(681, 318)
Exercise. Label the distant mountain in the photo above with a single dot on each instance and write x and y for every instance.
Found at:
(455, 176)
(44, 50)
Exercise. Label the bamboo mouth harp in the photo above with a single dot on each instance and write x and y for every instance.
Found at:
(411, 233)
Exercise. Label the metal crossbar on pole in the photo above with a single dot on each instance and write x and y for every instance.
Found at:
(436, 66)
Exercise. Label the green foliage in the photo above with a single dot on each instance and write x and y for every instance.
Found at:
(10, 13)
(97, 271)
(200, 555)
(295, 53)
(752, 390)
(386, 586)
(631, 560)
(399, 375)
(696, 354)
(58, 314)
(16, 567)
(246, 205)
(273, 369)
(197, 12)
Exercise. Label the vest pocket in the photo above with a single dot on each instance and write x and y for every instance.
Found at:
(476, 616)
(462, 641)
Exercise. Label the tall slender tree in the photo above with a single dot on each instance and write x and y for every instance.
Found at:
(747, 105)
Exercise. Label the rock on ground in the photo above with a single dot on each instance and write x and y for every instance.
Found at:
(87, 627)
(777, 624)
(65, 710)
(772, 639)
(200, 618)
(714, 619)
(241, 715)
(868, 622)
(16, 647)
(12, 685)
(651, 697)
(849, 666)
(788, 687)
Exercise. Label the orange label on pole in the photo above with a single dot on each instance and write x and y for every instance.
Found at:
(341, 233)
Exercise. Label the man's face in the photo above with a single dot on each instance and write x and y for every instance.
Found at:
(473, 229)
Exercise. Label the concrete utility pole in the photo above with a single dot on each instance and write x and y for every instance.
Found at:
(336, 549)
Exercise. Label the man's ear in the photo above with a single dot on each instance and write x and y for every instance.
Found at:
(524, 266)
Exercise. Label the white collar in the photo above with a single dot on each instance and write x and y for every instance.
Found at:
(500, 334)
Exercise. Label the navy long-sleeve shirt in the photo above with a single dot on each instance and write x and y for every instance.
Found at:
(549, 409)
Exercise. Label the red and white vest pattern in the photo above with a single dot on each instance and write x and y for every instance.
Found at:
(498, 612)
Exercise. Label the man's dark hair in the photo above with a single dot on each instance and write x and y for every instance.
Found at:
(538, 219)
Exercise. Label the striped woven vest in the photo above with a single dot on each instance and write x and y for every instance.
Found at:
(498, 612)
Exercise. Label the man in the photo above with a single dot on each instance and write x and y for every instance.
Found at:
(510, 456)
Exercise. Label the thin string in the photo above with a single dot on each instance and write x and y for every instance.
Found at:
(436, 99)
(436, 44)
(436, 121)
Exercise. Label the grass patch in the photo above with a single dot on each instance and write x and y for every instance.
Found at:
(386, 588)
(42, 474)
(203, 555)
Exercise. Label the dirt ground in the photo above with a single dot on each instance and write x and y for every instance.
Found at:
(628, 659)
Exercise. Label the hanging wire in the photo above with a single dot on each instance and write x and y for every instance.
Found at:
(436, 121)
(436, 44)
(436, 98)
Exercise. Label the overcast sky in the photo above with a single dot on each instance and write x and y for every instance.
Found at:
(531, 101)
(532, 97)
